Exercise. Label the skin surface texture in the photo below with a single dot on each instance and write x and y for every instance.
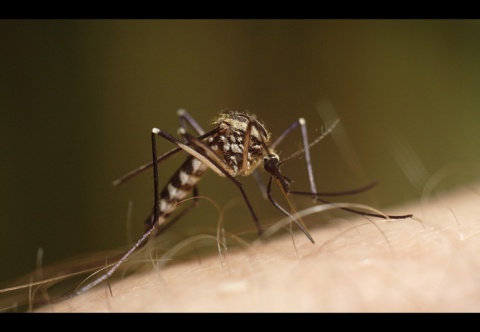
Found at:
(425, 264)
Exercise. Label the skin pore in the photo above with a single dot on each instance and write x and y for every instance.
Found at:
(425, 264)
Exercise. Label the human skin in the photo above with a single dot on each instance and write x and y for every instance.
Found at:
(428, 263)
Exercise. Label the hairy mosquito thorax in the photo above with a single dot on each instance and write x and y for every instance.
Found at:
(235, 130)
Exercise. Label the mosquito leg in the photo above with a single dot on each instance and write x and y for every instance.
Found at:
(314, 192)
(337, 193)
(163, 157)
(278, 206)
(306, 147)
(246, 143)
(306, 144)
(156, 198)
(261, 185)
(156, 212)
(285, 133)
(183, 212)
(140, 243)
(184, 117)
(144, 167)
(368, 214)
(143, 240)
(164, 226)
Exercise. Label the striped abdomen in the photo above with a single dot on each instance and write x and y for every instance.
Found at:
(177, 188)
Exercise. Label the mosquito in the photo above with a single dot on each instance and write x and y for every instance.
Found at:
(237, 146)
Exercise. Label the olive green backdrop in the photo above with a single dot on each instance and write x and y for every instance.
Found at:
(78, 100)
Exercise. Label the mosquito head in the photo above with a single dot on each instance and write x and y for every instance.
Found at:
(271, 165)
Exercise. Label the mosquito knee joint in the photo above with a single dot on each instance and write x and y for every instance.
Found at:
(181, 131)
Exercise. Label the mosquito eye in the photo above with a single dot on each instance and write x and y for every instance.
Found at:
(270, 163)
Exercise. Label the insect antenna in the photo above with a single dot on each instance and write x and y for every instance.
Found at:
(273, 168)
(306, 144)
(272, 165)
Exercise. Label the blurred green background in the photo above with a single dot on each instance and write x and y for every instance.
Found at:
(78, 99)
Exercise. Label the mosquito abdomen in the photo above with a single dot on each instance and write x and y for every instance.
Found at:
(177, 188)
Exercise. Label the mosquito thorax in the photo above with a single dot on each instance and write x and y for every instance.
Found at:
(234, 129)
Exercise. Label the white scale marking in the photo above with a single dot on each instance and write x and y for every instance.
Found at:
(196, 164)
(235, 148)
(163, 205)
(184, 177)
